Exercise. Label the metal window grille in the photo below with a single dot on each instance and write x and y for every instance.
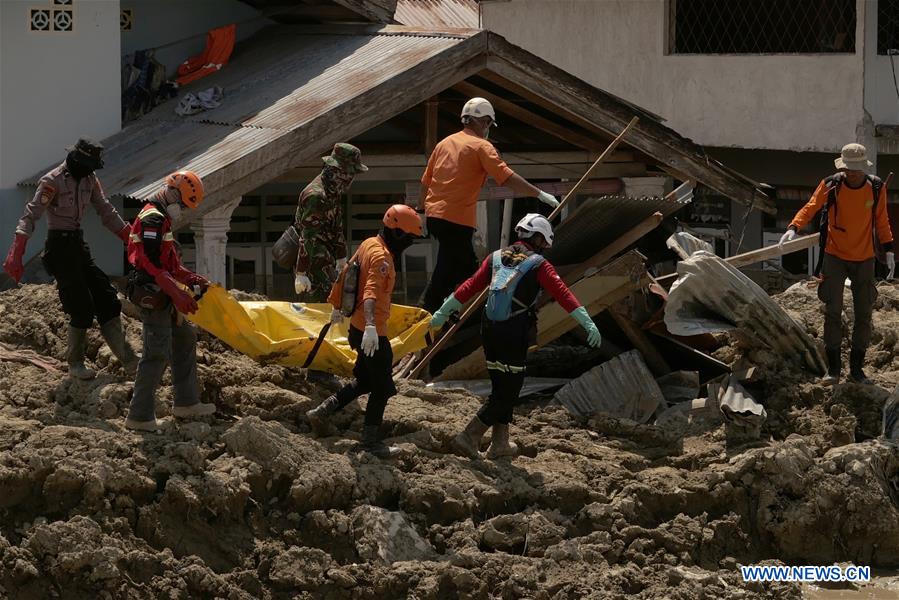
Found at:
(761, 26)
(887, 26)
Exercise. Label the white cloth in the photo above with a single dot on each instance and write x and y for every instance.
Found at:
(301, 283)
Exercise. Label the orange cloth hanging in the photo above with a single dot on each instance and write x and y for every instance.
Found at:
(219, 45)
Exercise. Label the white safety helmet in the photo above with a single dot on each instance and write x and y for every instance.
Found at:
(535, 223)
(478, 107)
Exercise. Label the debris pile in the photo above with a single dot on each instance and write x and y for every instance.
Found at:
(249, 504)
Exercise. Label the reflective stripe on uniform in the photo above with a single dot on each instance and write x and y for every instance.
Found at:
(149, 211)
(168, 237)
(498, 366)
(134, 238)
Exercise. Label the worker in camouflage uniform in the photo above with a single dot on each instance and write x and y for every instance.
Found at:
(319, 223)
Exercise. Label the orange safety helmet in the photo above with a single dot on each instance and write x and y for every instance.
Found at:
(189, 185)
(403, 217)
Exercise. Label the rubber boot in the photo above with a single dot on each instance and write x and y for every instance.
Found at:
(500, 447)
(75, 354)
(200, 409)
(468, 442)
(856, 362)
(319, 417)
(834, 365)
(114, 335)
(373, 443)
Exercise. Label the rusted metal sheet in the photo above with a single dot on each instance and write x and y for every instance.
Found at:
(462, 14)
(276, 84)
(622, 387)
(711, 295)
(600, 220)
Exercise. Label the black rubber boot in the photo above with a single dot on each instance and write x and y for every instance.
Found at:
(319, 416)
(834, 366)
(856, 362)
(373, 443)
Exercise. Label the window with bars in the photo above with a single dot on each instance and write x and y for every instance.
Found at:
(887, 26)
(762, 26)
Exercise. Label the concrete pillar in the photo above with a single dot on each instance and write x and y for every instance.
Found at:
(637, 187)
(211, 239)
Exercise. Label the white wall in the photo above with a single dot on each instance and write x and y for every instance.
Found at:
(54, 87)
(881, 98)
(787, 102)
(183, 24)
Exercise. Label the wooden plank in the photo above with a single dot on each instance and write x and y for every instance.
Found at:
(567, 95)
(431, 114)
(531, 118)
(754, 256)
(378, 11)
(654, 359)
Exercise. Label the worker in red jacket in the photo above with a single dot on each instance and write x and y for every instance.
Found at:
(515, 275)
(160, 286)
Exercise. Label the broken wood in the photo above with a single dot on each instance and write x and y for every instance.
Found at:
(641, 342)
(477, 302)
(754, 256)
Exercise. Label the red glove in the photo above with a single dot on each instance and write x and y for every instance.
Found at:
(124, 233)
(182, 299)
(13, 263)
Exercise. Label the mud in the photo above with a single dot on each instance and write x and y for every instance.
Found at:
(249, 504)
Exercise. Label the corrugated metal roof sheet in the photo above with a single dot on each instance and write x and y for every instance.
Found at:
(711, 295)
(622, 387)
(438, 13)
(599, 221)
(276, 84)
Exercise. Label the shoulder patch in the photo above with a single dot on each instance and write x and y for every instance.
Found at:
(383, 268)
(47, 191)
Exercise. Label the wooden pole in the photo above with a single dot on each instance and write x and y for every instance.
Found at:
(477, 302)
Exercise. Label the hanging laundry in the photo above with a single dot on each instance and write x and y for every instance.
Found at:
(219, 45)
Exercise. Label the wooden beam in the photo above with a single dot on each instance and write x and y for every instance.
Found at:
(568, 95)
(431, 114)
(378, 11)
(531, 118)
(654, 359)
(754, 256)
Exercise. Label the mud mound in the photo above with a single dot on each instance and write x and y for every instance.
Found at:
(250, 505)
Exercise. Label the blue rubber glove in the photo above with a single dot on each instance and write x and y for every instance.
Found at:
(581, 315)
(450, 306)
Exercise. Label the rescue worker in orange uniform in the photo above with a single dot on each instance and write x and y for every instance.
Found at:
(456, 172)
(856, 210)
(168, 339)
(515, 275)
(84, 289)
(368, 327)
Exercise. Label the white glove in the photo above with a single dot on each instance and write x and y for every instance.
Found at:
(891, 264)
(339, 265)
(370, 340)
(336, 317)
(789, 236)
(547, 198)
(301, 283)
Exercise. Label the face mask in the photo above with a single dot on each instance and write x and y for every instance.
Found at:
(77, 169)
(174, 211)
(397, 240)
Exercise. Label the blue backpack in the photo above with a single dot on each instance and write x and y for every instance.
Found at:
(505, 279)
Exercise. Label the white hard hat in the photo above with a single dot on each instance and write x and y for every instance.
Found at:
(535, 223)
(478, 107)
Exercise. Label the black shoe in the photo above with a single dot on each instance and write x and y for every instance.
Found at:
(834, 365)
(319, 416)
(856, 361)
(373, 443)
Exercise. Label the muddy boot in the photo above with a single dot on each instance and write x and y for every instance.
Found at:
(373, 443)
(114, 335)
(75, 354)
(319, 417)
(141, 425)
(834, 365)
(200, 409)
(500, 447)
(468, 442)
(856, 361)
